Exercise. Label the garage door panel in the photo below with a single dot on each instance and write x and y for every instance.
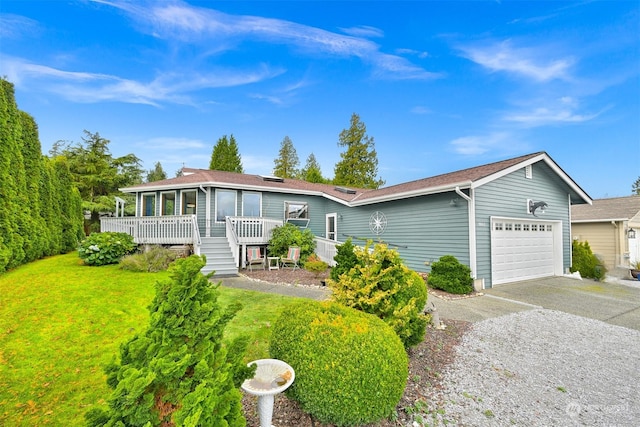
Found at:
(521, 249)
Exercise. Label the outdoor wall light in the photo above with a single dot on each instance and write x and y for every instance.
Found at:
(533, 206)
(453, 203)
(631, 233)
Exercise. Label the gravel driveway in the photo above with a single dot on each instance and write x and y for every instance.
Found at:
(543, 368)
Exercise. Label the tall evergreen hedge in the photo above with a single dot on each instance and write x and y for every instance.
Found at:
(40, 210)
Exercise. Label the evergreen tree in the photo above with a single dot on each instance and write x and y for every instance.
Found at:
(312, 172)
(359, 164)
(225, 156)
(635, 188)
(157, 173)
(33, 197)
(98, 175)
(286, 165)
(178, 372)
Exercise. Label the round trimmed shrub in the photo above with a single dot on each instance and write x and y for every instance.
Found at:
(450, 276)
(106, 248)
(351, 368)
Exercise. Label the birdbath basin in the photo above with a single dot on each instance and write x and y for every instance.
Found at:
(272, 376)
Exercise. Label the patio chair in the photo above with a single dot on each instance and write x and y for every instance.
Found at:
(292, 258)
(254, 257)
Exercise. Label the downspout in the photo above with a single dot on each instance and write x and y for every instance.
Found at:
(472, 230)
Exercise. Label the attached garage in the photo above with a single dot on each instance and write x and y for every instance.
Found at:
(525, 249)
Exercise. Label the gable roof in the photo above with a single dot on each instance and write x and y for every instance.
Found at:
(462, 179)
(606, 210)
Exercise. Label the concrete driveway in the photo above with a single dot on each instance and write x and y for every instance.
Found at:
(613, 303)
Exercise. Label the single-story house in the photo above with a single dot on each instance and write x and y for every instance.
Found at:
(612, 228)
(507, 221)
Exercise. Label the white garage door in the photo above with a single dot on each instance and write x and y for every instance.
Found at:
(522, 249)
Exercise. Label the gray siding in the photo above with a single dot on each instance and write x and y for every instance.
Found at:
(507, 197)
(422, 229)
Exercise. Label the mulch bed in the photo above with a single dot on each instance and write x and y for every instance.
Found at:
(427, 362)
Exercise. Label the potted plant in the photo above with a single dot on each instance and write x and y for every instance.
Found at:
(635, 270)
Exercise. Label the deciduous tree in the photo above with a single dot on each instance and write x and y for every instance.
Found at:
(358, 166)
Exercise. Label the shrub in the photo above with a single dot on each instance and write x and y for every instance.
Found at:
(345, 259)
(449, 275)
(350, 367)
(315, 265)
(152, 260)
(290, 235)
(177, 372)
(380, 284)
(105, 248)
(586, 262)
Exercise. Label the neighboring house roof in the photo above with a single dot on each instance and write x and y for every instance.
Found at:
(462, 179)
(606, 210)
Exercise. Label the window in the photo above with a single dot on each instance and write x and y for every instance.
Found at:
(251, 203)
(549, 227)
(296, 210)
(168, 203)
(297, 213)
(525, 227)
(508, 226)
(225, 204)
(148, 205)
(189, 202)
(518, 227)
(498, 226)
(534, 227)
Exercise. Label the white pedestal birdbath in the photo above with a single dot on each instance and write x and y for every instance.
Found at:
(272, 376)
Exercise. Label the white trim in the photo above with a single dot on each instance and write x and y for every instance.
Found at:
(182, 194)
(207, 212)
(235, 203)
(333, 215)
(259, 202)
(155, 204)
(471, 213)
(175, 201)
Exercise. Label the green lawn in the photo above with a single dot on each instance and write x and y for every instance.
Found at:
(61, 322)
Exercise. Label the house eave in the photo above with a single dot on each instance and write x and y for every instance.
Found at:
(414, 193)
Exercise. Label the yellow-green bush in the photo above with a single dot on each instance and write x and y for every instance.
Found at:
(351, 368)
(380, 284)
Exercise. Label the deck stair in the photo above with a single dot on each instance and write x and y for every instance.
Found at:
(219, 256)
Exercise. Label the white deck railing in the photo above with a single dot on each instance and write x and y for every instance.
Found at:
(326, 250)
(246, 230)
(156, 230)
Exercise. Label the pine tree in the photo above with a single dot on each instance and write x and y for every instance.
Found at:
(225, 156)
(312, 172)
(635, 188)
(157, 173)
(359, 164)
(177, 372)
(286, 165)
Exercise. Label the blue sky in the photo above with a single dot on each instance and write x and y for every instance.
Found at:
(440, 85)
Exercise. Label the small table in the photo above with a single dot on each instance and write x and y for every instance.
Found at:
(273, 263)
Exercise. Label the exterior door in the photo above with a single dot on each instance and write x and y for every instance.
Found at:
(332, 226)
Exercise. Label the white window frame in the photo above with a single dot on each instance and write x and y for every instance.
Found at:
(235, 203)
(162, 200)
(144, 210)
(183, 202)
(252, 193)
(297, 220)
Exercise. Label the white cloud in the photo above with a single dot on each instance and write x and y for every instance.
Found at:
(531, 62)
(480, 144)
(545, 116)
(363, 31)
(168, 143)
(419, 109)
(95, 87)
(16, 26)
(177, 20)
